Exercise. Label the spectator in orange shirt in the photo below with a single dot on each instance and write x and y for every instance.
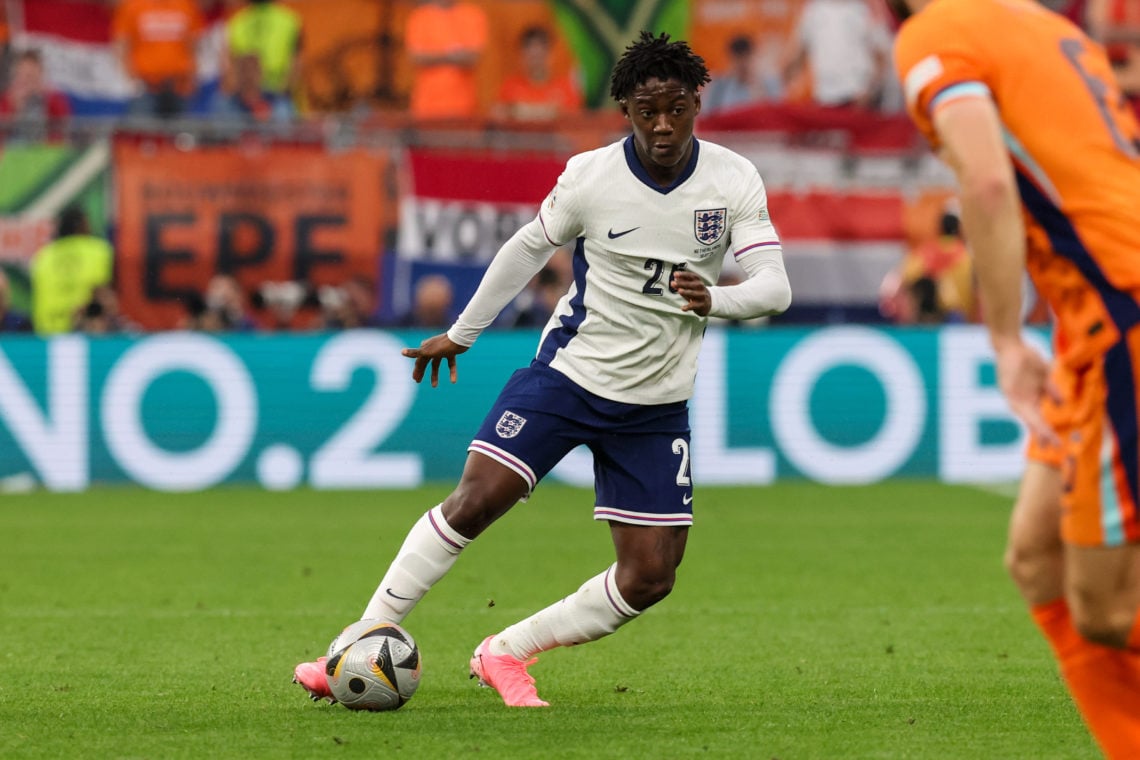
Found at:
(155, 41)
(935, 280)
(445, 40)
(534, 93)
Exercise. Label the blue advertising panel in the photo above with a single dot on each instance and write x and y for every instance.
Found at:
(186, 411)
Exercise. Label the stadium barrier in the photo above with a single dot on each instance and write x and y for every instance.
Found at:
(185, 411)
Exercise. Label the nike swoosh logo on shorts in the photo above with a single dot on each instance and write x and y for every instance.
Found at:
(687, 499)
(388, 591)
(615, 235)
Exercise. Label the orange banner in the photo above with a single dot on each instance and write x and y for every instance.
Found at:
(262, 214)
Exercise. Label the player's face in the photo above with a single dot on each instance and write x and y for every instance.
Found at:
(662, 114)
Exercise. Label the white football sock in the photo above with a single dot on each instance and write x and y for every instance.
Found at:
(429, 551)
(593, 611)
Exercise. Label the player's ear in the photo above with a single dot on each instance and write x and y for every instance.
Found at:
(696, 104)
(624, 104)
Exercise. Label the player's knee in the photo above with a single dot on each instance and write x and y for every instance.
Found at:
(470, 509)
(1035, 565)
(648, 587)
(1023, 564)
(1101, 619)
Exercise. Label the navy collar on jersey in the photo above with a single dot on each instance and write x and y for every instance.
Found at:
(640, 172)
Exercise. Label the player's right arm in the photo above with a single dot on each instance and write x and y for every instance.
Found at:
(972, 146)
(514, 265)
(944, 79)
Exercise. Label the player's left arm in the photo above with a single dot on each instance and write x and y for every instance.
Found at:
(969, 130)
(766, 291)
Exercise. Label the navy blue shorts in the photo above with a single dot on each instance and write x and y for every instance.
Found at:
(641, 453)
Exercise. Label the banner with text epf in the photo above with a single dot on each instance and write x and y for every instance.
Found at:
(259, 213)
(185, 411)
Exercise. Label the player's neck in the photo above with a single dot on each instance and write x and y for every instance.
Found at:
(664, 175)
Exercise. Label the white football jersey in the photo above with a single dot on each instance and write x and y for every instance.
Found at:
(619, 332)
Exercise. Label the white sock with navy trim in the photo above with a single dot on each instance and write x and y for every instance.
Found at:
(595, 610)
(429, 551)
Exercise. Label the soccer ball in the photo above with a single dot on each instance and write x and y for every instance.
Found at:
(351, 633)
(373, 665)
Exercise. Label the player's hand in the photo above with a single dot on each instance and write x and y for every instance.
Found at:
(433, 351)
(1023, 375)
(693, 290)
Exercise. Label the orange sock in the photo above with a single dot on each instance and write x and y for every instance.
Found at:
(1104, 682)
(1134, 636)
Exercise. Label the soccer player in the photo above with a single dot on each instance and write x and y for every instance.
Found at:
(1024, 109)
(653, 216)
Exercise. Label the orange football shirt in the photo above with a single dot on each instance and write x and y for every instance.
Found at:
(160, 37)
(442, 91)
(1074, 143)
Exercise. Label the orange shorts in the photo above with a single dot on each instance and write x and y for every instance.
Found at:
(1099, 455)
(1038, 450)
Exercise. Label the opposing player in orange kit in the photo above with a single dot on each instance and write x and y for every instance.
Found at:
(1024, 109)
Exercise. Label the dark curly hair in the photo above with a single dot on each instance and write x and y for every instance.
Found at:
(656, 57)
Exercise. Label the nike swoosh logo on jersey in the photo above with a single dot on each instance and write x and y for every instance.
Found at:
(687, 499)
(615, 235)
(388, 591)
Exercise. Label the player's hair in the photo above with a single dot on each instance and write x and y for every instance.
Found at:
(657, 57)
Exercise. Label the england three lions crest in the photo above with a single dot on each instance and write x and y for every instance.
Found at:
(709, 224)
(509, 425)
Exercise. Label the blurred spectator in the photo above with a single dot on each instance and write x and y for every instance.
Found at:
(29, 105)
(944, 261)
(5, 41)
(351, 306)
(845, 47)
(533, 93)
(1074, 10)
(538, 301)
(247, 100)
(221, 308)
(284, 306)
(101, 315)
(10, 320)
(445, 40)
(226, 304)
(924, 306)
(198, 317)
(66, 271)
(432, 303)
(271, 33)
(744, 81)
(155, 41)
(1116, 24)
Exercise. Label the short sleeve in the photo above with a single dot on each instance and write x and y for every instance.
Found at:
(936, 65)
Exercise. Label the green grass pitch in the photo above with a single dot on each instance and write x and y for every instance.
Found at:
(807, 622)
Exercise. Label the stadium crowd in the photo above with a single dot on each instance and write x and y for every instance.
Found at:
(836, 56)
